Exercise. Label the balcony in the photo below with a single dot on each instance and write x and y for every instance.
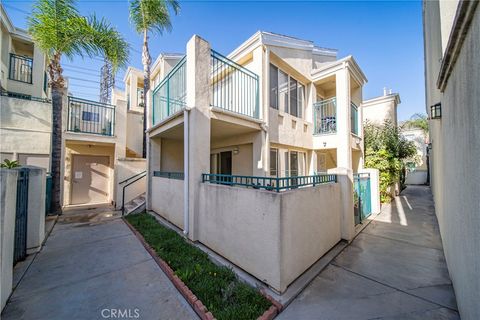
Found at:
(20, 68)
(91, 117)
(325, 116)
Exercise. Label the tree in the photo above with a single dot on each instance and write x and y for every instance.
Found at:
(418, 120)
(59, 30)
(387, 150)
(150, 16)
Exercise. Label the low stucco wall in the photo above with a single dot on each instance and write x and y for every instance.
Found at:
(273, 236)
(416, 177)
(167, 199)
(8, 200)
(125, 168)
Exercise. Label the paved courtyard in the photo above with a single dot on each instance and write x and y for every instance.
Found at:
(91, 264)
(394, 269)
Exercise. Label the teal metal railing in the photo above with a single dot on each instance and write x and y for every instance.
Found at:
(234, 87)
(90, 117)
(20, 68)
(269, 183)
(169, 175)
(325, 116)
(354, 118)
(170, 96)
(23, 96)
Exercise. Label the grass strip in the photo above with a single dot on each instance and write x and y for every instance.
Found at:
(217, 287)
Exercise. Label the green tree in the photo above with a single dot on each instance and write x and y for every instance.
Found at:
(387, 150)
(418, 120)
(59, 30)
(150, 16)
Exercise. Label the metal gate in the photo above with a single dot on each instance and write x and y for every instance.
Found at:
(362, 196)
(21, 215)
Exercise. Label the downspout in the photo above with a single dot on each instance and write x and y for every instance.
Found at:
(186, 160)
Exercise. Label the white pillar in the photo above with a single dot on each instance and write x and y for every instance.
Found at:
(344, 150)
(198, 100)
(374, 189)
(347, 219)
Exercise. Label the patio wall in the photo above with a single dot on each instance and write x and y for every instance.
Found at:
(167, 199)
(273, 236)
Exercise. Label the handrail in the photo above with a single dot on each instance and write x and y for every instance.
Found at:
(135, 175)
(125, 186)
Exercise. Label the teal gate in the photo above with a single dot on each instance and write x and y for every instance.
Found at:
(362, 196)
(21, 215)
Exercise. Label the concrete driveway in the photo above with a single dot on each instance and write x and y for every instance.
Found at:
(93, 267)
(394, 269)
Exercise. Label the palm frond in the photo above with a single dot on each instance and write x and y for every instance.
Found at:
(153, 15)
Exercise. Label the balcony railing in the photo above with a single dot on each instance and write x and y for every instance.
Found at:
(90, 117)
(269, 183)
(169, 175)
(325, 116)
(20, 68)
(234, 87)
(354, 118)
(170, 96)
(23, 96)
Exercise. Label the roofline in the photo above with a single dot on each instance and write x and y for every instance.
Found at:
(17, 32)
(371, 102)
(347, 62)
(129, 70)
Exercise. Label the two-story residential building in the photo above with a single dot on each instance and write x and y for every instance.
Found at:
(97, 137)
(383, 108)
(452, 77)
(254, 154)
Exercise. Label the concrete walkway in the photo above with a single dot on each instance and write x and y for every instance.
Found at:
(394, 269)
(91, 264)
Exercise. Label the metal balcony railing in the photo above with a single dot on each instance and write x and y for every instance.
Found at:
(90, 117)
(270, 183)
(354, 118)
(325, 116)
(20, 68)
(234, 87)
(169, 175)
(170, 96)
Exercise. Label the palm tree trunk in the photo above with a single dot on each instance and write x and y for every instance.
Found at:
(56, 81)
(146, 61)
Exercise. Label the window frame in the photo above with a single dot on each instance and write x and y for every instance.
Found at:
(275, 150)
(299, 94)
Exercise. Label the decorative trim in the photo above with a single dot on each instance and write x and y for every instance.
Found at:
(461, 25)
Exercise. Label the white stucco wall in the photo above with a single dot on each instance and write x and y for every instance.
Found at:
(134, 132)
(124, 169)
(167, 199)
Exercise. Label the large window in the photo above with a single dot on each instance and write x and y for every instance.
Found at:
(286, 93)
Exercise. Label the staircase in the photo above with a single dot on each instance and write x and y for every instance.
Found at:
(136, 205)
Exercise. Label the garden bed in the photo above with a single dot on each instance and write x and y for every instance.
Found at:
(211, 288)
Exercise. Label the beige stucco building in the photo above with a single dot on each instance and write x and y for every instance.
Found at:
(97, 137)
(254, 154)
(380, 109)
(452, 70)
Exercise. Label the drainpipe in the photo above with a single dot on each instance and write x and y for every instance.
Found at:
(186, 160)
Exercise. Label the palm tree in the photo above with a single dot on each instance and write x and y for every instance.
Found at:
(150, 16)
(59, 30)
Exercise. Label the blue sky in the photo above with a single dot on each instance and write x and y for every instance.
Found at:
(384, 37)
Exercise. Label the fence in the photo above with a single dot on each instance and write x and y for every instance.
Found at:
(269, 183)
(20, 68)
(325, 116)
(90, 117)
(170, 96)
(169, 175)
(234, 87)
(21, 216)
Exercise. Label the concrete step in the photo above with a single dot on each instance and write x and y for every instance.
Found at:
(136, 205)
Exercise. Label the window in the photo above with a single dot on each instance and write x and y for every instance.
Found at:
(140, 98)
(90, 116)
(286, 93)
(287, 166)
(283, 91)
(273, 162)
(293, 163)
(273, 86)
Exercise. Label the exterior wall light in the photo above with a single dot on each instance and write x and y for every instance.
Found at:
(236, 150)
(436, 111)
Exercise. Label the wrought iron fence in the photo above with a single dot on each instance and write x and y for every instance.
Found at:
(90, 117)
(325, 116)
(169, 175)
(20, 68)
(354, 118)
(234, 87)
(270, 183)
(170, 96)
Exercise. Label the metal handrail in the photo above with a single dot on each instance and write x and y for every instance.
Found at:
(135, 175)
(144, 174)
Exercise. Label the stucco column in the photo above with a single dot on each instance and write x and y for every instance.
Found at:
(198, 140)
(347, 219)
(344, 150)
(36, 208)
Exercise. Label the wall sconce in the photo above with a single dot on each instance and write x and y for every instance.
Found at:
(324, 144)
(357, 140)
(236, 151)
(436, 111)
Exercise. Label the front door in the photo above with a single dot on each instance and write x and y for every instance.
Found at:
(226, 162)
(90, 179)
